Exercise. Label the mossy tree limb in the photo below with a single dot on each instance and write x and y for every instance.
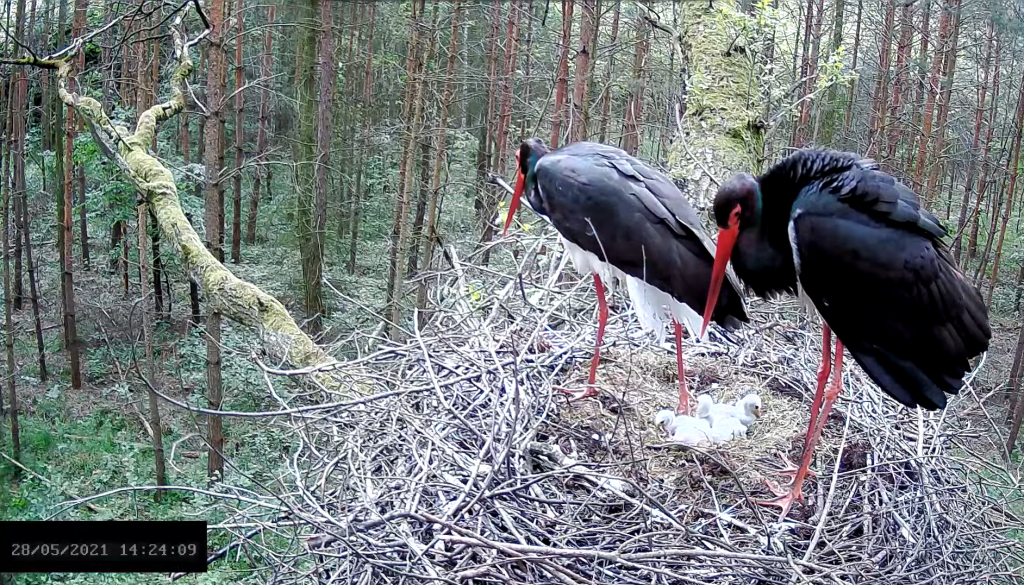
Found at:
(234, 298)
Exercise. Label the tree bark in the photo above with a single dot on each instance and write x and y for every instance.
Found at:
(266, 74)
(979, 111)
(899, 87)
(439, 159)
(214, 221)
(945, 96)
(5, 190)
(562, 83)
(236, 194)
(929, 104)
(400, 224)
(1015, 379)
(852, 93)
(71, 320)
(635, 101)
(157, 438)
(580, 101)
(1014, 168)
(972, 240)
(365, 112)
(606, 93)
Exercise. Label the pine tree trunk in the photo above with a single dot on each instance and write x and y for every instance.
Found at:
(851, 95)
(949, 62)
(972, 240)
(308, 226)
(880, 98)
(635, 102)
(365, 113)
(1014, 168)
(37, 321)
(929, 104)
(400, 223)
(580, 101)
(157, 437)
(899, 87)
(236, 199)
(606, 92)
(71, 320)
(5, 194)
(917, 106)
(971, 157)
(261, 133)
(1016, 378)
(439, 158)
(214, 155)
(562, 83)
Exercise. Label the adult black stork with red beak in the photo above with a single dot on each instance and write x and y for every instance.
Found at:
(856, 243)
(619, 218)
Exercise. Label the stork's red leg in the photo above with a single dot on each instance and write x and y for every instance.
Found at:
(602, 320)
(795, 492)
(823, 373)
(819, 392)
(684, 394)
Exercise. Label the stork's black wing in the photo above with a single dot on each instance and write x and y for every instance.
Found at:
(872, 262)
(630, 215)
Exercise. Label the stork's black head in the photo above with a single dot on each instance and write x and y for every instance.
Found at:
(737, 204)
(527, 156)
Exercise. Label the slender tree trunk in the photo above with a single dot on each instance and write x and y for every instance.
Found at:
(1014, 168)
(562, 84)
(236, 199)
(852, 93)
(580, 101)
(880, 99)
(261, 133)
(400, 227)
(214, 220)
(945, 97)
(311, 213)
(5, 189)
(439, 158)
(326, 83)
(899, 85)
(1019, 289)
(1016, 377)
(929, 104)
(635, 102)
(71, 320)
(37, 321)
(971, 160)
(972, 240)
(606, 91)
(365, 112)
(83, 223)
(157, 437)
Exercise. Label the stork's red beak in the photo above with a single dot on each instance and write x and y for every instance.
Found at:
(514, 204)
(726, 240)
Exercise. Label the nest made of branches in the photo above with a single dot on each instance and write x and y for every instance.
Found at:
(465, 466)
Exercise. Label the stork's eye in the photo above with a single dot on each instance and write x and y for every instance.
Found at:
(734, 215)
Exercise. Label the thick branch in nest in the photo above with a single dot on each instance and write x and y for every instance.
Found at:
(227, 294)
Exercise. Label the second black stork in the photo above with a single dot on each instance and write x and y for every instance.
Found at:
(834, 229)
(619, 218)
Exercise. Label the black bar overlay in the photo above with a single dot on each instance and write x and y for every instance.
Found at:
(67, 546)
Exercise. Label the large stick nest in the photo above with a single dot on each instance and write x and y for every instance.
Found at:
(465, 466)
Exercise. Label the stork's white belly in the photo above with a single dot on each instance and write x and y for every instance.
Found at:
(655, 309)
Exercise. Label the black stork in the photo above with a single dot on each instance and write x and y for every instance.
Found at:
(619, 218)
(834, 229)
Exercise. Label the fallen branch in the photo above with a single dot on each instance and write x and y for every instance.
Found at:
(236, 299)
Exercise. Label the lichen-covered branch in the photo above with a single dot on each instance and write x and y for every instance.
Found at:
(236, 299)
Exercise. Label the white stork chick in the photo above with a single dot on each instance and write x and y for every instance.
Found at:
(746, 410)
(688, 430)
(725, 427)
